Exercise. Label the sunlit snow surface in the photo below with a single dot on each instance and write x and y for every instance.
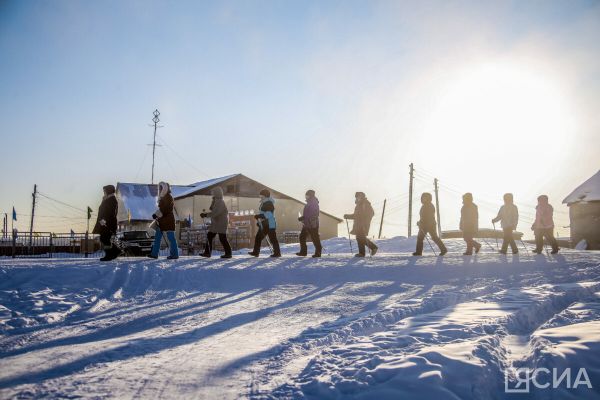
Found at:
(392, 326)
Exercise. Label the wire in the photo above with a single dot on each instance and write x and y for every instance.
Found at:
(61, 202)
(163, 142)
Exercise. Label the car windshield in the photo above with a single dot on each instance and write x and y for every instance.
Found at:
(135, 235)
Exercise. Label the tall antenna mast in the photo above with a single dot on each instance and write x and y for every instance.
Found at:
(155, 120)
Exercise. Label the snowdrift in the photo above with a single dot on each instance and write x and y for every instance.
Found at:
(392, 326)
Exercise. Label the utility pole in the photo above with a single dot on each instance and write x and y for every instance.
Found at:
(155, 120)
(410, 198)
(5, 226)
(34, 194)
(437, 206)
(381, 223)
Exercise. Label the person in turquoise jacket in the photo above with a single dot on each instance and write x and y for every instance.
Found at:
(267, 225)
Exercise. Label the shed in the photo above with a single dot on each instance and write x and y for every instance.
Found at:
(584, 213)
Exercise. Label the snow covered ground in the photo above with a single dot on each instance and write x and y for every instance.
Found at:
(392, 326)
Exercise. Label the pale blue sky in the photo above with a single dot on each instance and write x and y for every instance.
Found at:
(337, 96)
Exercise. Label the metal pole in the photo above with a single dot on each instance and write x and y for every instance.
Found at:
(381, 223)
(428, 242)
(437, 206)
(349, 240)
(410, 199)
(34, 194)
(155, 120)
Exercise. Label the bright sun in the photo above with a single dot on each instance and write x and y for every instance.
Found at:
(495, 110)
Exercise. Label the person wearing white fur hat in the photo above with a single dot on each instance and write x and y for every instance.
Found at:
(165, 222)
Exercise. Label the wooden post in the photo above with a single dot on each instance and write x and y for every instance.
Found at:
(381, 223)
(410, 199)
(437, 206)
(34, 194)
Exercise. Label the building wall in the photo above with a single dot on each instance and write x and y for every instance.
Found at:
(585, 223)
(286, 212)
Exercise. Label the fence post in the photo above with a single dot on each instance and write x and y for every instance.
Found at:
(86, 244)
(14, 244)
(51, 245)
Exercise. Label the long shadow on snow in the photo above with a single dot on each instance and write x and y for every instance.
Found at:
(145, 346)
(138, 324)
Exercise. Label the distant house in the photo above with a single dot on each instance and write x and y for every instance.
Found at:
(584, 212)
(137, 203)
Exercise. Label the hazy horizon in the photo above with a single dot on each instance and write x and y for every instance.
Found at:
(334, 96)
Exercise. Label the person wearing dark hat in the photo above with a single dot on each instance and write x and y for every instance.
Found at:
(165, 222)
(266, 224)
(427, 225)
(469, 224)
(362, 216)
(106, 224)
(310, 225)
(219, 221)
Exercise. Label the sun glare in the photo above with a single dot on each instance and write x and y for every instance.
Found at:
(493, 109)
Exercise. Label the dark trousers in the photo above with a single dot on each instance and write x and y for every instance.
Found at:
(362, 241)
(540, 234)
(109, 246)
(436, 239)
(507, 240)
(222, 238)
(314, 235)
(260, 235)
(470, 240)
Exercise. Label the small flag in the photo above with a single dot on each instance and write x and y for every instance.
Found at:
(72, 234)
(14, 214)
(190, 220)
(89, 210)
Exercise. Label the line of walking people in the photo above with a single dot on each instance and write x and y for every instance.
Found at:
(164, 224)
(508, 216)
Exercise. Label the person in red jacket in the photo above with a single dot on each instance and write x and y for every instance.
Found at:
(544, 225)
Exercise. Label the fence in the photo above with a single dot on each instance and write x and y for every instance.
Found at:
(50, 245)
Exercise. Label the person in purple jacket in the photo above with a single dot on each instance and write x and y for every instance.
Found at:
(310, 225)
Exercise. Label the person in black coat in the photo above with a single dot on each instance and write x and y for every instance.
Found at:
(427, 225)
(106, 224)
(362, 216)
(469, 224)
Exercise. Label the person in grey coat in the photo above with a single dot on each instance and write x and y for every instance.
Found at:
(219, 216)
(508, 215)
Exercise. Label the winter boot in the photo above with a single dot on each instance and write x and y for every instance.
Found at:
(359, 255)
(417, 254)
(226, 256)
(373, 250)
(554, 251)
(443, 251)
(316, 255)
(477, 248)
(301, 254)
(275, 255)
(253, 254)
(172, 257)
(151, 256)
(205, 254)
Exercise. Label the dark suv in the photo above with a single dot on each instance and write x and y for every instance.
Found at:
(135, 243)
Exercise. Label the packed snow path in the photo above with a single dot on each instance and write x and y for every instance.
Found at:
(391, 326)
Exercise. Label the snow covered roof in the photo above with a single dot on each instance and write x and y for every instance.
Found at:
(184, 191)
(140, 199)
(587, 191)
